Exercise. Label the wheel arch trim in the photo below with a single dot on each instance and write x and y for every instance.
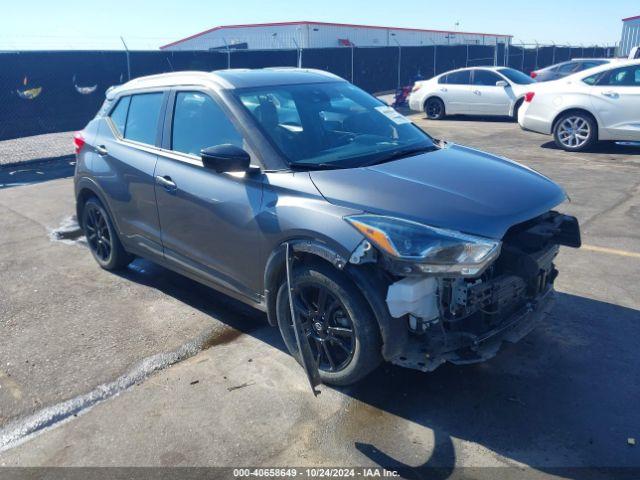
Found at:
(366, 278)
(576, 109)
(85, 184)
(518, 102)
(430, 97)
(276, 264)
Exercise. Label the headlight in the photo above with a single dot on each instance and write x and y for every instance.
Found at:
(433, 250)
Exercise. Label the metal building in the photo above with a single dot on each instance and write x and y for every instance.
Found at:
(630, 35)
(301, 35)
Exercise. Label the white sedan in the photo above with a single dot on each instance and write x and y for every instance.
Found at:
(471, 91)
(602, 103)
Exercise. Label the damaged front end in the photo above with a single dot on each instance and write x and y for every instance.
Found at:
(455, 297)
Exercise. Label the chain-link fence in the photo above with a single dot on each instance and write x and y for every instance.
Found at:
(529, 57)
(53, 91)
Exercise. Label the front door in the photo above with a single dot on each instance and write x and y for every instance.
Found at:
(616, 101)
(207, 219)
(487, 97)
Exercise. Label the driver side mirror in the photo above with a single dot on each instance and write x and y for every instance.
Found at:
(502, 83)
(225, 158)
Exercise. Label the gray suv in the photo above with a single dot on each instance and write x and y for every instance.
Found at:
(361, 237)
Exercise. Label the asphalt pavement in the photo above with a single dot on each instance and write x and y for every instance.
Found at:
(148, 368)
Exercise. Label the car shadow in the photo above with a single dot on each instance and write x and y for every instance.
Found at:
(564, 400)
(473, 118)
(605, 148)
(36, 171)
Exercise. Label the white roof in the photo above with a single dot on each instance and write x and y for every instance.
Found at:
(618, 63)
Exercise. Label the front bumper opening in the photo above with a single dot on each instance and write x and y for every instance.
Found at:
(475, 316)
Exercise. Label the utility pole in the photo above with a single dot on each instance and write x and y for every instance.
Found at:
(298, 30)
(126, 49)
(228, 53)
(435, 57)
(353, 46)
(299, 50)
(399, 60)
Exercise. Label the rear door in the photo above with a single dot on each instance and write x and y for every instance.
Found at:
(208, 219)
(616, 101)
(455, 91)
(124, 167)
(488, 98)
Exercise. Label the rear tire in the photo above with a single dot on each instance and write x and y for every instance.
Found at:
(575, 131)
(343, 334)
(434, 109)
(102, 238)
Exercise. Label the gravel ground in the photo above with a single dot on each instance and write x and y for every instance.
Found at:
(50, 145)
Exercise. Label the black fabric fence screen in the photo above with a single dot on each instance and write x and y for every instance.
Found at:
(55, 91)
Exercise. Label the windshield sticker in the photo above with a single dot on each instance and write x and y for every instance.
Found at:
(392, 115)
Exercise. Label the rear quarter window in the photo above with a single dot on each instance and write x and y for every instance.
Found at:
(118, 115)
(142, 119)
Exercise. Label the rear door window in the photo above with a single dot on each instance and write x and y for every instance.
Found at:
(568, 67)
(459, 78)
(142, 120)
(119, 114)
(199, 122)
(591, 64)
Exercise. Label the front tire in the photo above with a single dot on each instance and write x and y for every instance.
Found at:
(102, 238)
(337, 321)
(575, 132)
(516, 110)
(434, 109)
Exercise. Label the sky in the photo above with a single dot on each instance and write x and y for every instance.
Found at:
(144, 24)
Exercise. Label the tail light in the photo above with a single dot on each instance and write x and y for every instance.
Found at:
(78, 141)
(534, 74)
(416, 87)
(528, 97)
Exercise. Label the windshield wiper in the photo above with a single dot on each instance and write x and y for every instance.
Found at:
(314, 166)
(409, 152)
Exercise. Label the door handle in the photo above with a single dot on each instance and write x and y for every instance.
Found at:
(477, 92)
(102, 150)
(610, 94)
(166, 183)
(443, 89)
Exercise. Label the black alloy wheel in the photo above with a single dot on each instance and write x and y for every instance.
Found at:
(97, 231)
(102, 238)
(434, 109)
(327, 326)
(337, 321)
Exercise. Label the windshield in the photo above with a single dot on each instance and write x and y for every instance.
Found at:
(516, 76)
(331, 125)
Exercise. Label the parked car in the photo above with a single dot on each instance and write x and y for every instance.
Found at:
(564, 69)
(401, 247)
(471, 91)
(602, 103)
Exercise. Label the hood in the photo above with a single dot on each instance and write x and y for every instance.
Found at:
(456, 187)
